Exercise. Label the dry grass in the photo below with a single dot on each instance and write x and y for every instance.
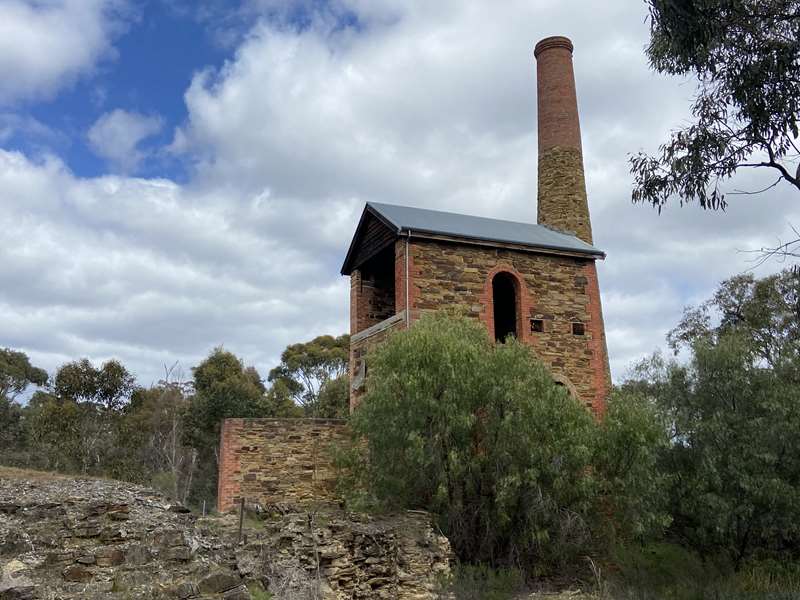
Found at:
(29, 474)
(567, 595)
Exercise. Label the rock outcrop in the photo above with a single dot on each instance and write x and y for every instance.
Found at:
(92, 539)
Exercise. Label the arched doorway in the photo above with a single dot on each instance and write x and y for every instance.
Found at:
(504, 300)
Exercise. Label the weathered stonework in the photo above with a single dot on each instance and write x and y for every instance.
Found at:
(86, 539)
(285, 462)
(399, 557)
(562, 192)
(560, 290)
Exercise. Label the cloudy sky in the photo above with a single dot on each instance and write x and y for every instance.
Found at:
(178, 175)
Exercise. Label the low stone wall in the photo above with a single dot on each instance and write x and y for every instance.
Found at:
(393, 557)
(104, 540)
(286, 462)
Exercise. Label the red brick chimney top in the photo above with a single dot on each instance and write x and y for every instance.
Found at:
(556, 98)
(556, 41)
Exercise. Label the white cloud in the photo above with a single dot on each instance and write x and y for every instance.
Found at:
(117, 136)
(12, 125)
(427, 104)
(149, 272)
(46, 44)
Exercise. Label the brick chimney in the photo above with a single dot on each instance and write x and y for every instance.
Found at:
(562, 189)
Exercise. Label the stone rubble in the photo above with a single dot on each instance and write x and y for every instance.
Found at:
(95, 539)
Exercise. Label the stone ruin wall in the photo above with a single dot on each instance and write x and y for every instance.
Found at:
(64, 539)
(278, 462)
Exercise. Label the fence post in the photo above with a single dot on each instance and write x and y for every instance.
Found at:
(241, 519)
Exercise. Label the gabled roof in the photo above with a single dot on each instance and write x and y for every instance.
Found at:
(421, 222)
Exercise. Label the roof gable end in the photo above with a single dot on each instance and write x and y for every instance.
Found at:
(373, 233)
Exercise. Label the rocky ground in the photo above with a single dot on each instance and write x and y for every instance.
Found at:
(66, 538)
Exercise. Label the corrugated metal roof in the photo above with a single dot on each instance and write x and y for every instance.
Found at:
(422, 220)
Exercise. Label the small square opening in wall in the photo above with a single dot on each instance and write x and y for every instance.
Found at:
(537, 325)
(578, 329)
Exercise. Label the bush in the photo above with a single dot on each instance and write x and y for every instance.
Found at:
(633, 435)
(480, 435)
(732, 464)
(481, 582)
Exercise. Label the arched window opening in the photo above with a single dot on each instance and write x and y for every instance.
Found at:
(504, 299)
(563, 382)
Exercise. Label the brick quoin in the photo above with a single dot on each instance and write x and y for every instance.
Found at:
(597, 343)
(228, 485)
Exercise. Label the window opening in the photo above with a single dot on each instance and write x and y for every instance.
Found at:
(377, 294)
(504, 297)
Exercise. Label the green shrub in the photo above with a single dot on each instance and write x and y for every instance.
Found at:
(482, 582)
(668, 571)
(481, 436)
(633, 435)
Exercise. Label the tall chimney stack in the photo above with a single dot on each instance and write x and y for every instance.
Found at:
(562, 189)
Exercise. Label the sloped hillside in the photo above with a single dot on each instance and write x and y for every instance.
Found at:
(77, 538)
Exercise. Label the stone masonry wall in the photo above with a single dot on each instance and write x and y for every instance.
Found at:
(562, 192)
(62, 538)
(285, 462)
(559, 290)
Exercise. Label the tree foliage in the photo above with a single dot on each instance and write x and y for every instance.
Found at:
(734, 418)
(75, 422)
(95, 420)
(480, 435)
(109, 387)
(745, 55)
(17, 373)
(632, 436)
(766, 312)
(306, 370)
(333, 401)
(153, 430)
(223, 388)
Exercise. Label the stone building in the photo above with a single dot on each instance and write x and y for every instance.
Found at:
(537, 282)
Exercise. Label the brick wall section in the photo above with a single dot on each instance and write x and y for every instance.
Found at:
(229, 473)
(278, 461)
(400, 274)
(371, 300)
(400, 277)
(597, 342)
(355, 297)
(556, 97)
(558, 289)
